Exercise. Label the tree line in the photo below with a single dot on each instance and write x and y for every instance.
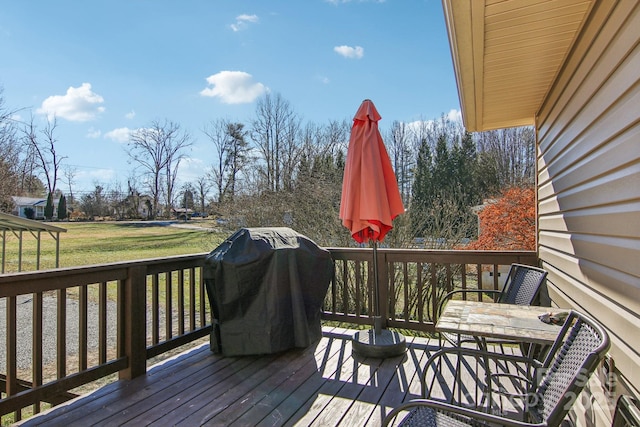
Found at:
(278, 170)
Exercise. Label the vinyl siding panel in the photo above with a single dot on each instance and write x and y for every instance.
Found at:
(623, 221)
(589, 187)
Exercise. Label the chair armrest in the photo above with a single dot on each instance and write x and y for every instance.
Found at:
(452, 409)
(436, 358)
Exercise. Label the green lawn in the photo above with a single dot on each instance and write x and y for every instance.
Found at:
(87, 243)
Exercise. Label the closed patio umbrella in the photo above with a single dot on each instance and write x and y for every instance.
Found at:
(370, 201)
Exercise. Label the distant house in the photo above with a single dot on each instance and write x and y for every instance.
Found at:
(37, 204)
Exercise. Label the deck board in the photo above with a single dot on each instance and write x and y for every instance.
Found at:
(323, 385)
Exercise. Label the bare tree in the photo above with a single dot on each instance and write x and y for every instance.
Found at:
(326, 140)
(275, 132)
(202, 189)
(69, 173)
(158, 151)
(398, 143)
(231, 155)
(216, 131)
(510, 154)
(9, 158)
(42, 148)
(95, 203)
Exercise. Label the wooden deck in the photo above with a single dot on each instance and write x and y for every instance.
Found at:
(322, 385)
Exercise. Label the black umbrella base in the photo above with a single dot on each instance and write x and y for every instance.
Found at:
(384, 344)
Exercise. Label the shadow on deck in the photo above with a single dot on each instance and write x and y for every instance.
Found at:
(321, 385)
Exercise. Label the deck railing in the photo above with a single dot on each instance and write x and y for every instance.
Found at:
(69, 327)
(411, 282)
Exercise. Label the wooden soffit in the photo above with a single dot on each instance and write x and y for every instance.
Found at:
(507, 53)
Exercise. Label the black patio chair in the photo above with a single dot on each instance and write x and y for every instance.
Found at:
(550, 390)
(522, 287)
(627, 412)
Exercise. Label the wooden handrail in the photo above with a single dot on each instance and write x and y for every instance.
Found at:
(160, 304)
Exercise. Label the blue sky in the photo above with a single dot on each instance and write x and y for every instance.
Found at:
(107, 67)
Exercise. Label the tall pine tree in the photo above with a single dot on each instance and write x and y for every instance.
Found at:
(48, 208)
(62, 208)
(444, 191)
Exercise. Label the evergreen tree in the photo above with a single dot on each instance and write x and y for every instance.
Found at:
(62, 208)
(444, 191)
(48, 208)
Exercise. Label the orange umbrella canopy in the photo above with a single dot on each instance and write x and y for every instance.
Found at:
(370, 197)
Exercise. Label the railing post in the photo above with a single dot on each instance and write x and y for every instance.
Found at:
(135, 322)
(383, 288)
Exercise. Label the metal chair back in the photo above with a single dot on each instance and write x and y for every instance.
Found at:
(580, 346)
(575, 354)
(523, 285)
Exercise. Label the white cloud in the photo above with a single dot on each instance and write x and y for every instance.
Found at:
(233, 87)
(119, 135)
(324, 80)
(455, 115)
(79, 104)
(93, 133)
(95, 176)
(349, 52)
(420, 126)
(130, 115)
(242, 21)
(191, 169)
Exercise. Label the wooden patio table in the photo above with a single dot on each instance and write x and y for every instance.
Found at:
(487, 320)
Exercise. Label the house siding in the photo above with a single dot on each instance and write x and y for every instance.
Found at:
(589, 189)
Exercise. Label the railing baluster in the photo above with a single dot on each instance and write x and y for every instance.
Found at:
(405, 270)
(82, 328)
(203, 301)
(120, 339)
(11, 382)
(181, 302)
(335, 290)
(420, 292)
(463, 274)
(62, 334)
(383, 286)
(192, 299)
(155, 309)
(102, 323)
(391, 294)
(345, 295)
(168, 307)
(36, 346)
(479, 279)
(359, 292)
(434, 283)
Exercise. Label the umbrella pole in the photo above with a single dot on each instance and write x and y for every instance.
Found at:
(377, 318)
(378, 342)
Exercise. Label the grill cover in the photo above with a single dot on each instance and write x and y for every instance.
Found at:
(266, 287)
